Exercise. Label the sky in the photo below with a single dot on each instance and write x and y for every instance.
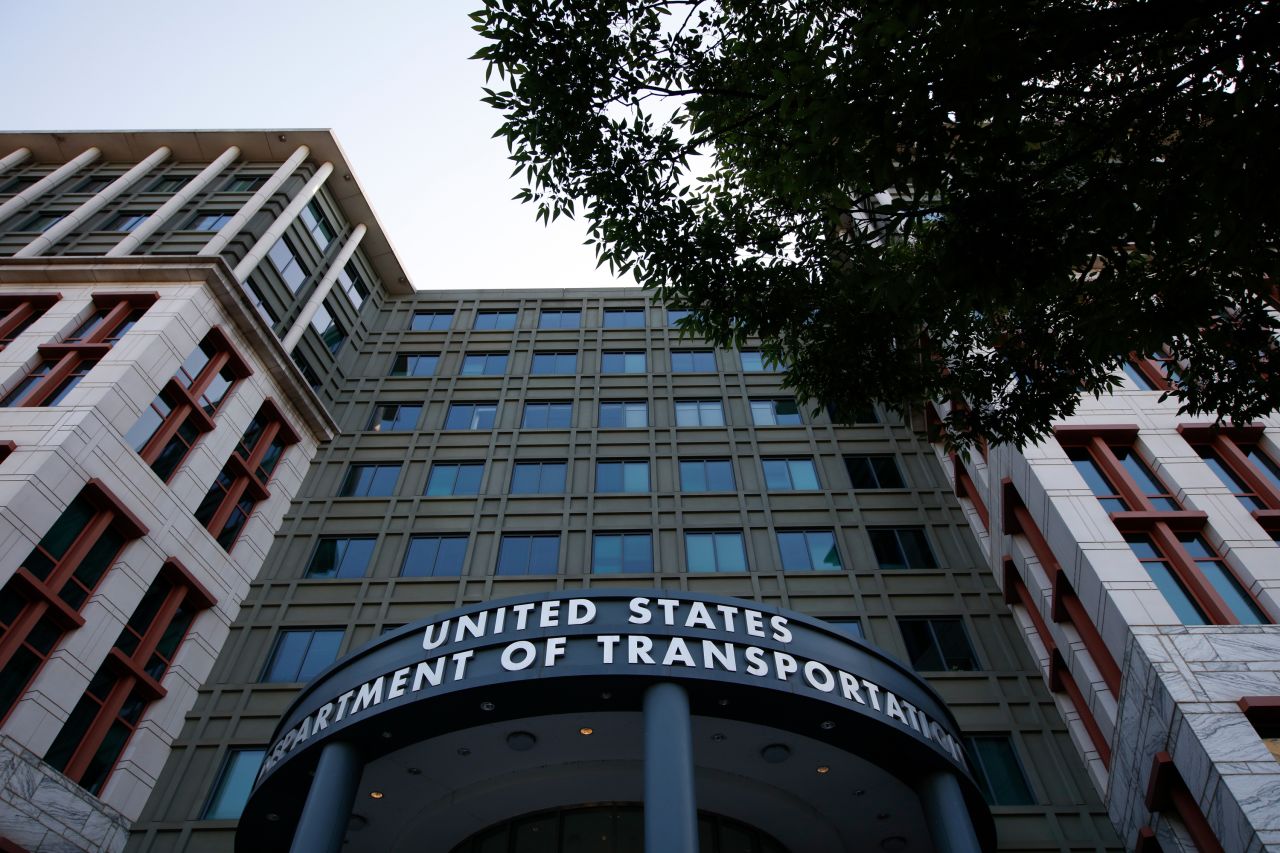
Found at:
(391, 78)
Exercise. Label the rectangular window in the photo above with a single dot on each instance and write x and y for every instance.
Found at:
(242, 482)
(902, 548)
(414, 364)
(291, 268)
(715, 551)
(169, 184)
(675, 315)
(624, 318)
(693, 361)
(622, 475)
(331, 333)
(353, 284)
(808, 551)
(454, 478)
(1246, 494)
(1214, 569)
(938, 644)
(341, 557)
(707, 475)
(434, 557)
(317, 224)
(1166, 580)
(693, 413)
(624, 415)
(41, 222)
(622, 362)
(495, 320)
(547, 416)
(621, 553)
(538, 478)
(394, 417)
(209, 220)
(19, 310)
(431, 321)
(1096, 480)
(235, 781)
(528, 555)
(755, 361)
(370, 481)
(1239, 462)
(997, 770)
(554, 364)
(301, 654)
(1117, 475)
(789, 475)
(847, 625)
(125, 221)
(471, 416)
(484, 364)
(874, 472)
(559, 319)
(244, 184)
(782, 412)
(92, 185)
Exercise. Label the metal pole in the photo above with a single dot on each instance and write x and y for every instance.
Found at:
(946, 814)
(323, 825)
(670, 810)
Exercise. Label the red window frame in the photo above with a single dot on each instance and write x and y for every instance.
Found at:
(20, 310)
(1232, 445)
(1156, 369)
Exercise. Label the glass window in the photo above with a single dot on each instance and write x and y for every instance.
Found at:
(847, 625)
(621, 553)
(1160, 497)
(675, 315)
(1264, 464)
(997, 770)
(495, 320)
(331, 334)
(938, 644)
(455, 478)
(484, 364)
(624, 318)
(715, 551)
(559, 319)
(754, 361)
(92, 185)
(125, 221)
(624, 414)
(706, 475)
(699, 413)
(547, 416)
(1096, 480)
(370, 481)
(528, 555)
(169, 184)
(538, 478)
(554, 364)
(300, 654)
(808, 551)
(42, 222)
(1137, 377)
(244, 184)
(622, 362)
(874, 472)
(415, 364)
(341, 557)
(902, 548)
(434, 556)
(209, 220)
(783, 412)
(431, 321)
(286, 261)
(353, 284)
(622, 475)
(693, 361)
(789, 475)
(235, 781)
(317, 224)
(394, 417)
(471, 416)
(1246, 495)
(1215, 570)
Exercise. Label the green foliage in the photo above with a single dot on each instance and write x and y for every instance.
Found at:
(911, 201)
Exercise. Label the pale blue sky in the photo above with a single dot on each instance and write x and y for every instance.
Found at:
(391, 77)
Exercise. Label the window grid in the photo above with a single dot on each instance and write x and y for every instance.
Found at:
(538, 478)
(714, 551)
(623, 361)
(809, 551)
(624, 414)
(621, 553)
(622, 475)
(434, 556)
(549, 415)
(874, 472)
(790, 475)
(707, 475)
(454, 478)
(693, 361)
(938, 644)
(694, 413)
(471, 416)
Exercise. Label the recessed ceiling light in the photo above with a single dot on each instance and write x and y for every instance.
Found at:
(585, 730)
(375, 795)
(822, 768)
(486, 706)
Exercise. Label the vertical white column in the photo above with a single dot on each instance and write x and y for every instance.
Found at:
(14, 158)
(283, 221)
(322, 289)
(135, 238)
(77, 217)
(229, 231)
(48, 182)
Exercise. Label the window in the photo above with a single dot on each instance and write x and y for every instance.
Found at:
(308, 372)
(902, 548)
(93, 185)
(783, 412)
(414, 364)
(1138, 377)
(1096, 480)
(997, 770)
(706, 475)
(789, 475)
(471, 416)
(1235, 457)
(353, 284)
(538, 478)
(847, 625)
(301, 654)
(125, 221)
(341, 557)
(621, 553)
(370, 481)
(434, 556)
(624, 318)
(331, 333)
(287, 263)
(18, 183)
(808, 551)
(209, 220)
(244, 184)
(19, 310)
(242, 482)
(1243, 492)
(554, 363)
(715, 551)
(938, 644)
(690, 413)
(455, 478)
(42, 222)
(528, 555)
(675, 315)
(484, 364)
(1151, 373)
(235, 782)
(394, 417)
(1160, 498)
(560, 319)
(547, 416)
(431, 321)
(169, 184)
(317, 225)
(874, 472)
(1184, 587)
(693, 361)
(754, 361)
(622, 362)
(626, 414)
(622, 475)
(495, 320)
(1214, 568)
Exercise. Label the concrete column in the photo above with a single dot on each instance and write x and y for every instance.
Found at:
(323, 825)
(670, 810)
(48, 182)
(322, 289)
(229, 231)
(14, 158)
(134, 239)
(84, 212)
(283, 221)
(946, 814)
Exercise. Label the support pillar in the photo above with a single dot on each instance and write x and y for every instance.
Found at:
(323, 825)
(232, 229)
(670, 810)
(276, 230)
(946, 813)
(14, 158)
(48, 182)
(322, 289)
(137, 236)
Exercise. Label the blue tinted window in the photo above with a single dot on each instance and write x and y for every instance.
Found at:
(902, 548)
(693, 361)
(484, 364)
(630, 414)
(364, 481)
(706, 475)
(341, 557)
(997, 770)
(455, 478)
(528, 555)
(235, 781)
(300, 655)
(808, 551)
(414, 364)
(559, 319)
(394, 417)
(495, 320)
(622, 476)
(699, 413)
(789, 474)
(538, 478)
(431, 321)
(434, 556)
(617, 553)
(624, 318)
(471, 416)
(715, 552)
(554, 363)
(782, 412)
(547, 416)
(622, 362)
